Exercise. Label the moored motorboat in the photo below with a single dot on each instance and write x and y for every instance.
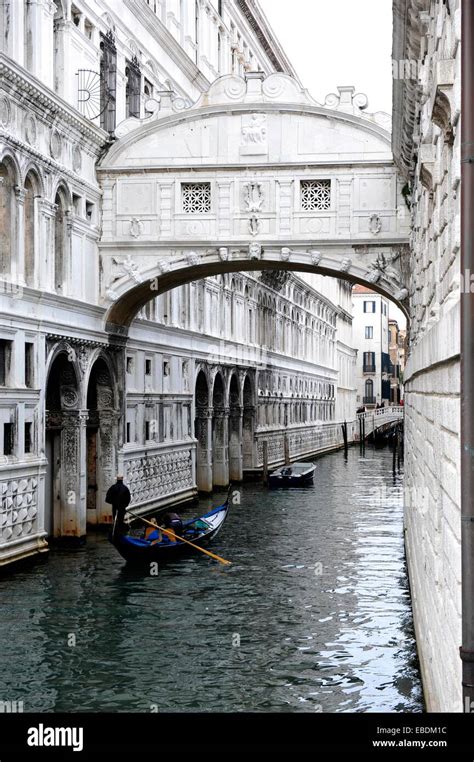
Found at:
(292, 475)
(199, 531)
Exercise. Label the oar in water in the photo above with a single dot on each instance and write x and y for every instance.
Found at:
(173, 535)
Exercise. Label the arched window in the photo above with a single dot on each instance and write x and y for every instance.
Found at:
(6, 218)
(29, 218)
(369, 391)
(59, 243)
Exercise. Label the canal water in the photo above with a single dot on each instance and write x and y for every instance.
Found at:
(313, 615)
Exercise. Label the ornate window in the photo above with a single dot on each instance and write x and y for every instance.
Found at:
(108, 77)
(196, 197)
(315, 195)
(132, 88)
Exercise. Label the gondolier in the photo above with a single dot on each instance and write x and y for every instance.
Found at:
(118, 496)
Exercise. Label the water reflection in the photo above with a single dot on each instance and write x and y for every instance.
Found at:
(314, 613)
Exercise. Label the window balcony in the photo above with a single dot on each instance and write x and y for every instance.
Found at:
(368, 368)
(369, 400)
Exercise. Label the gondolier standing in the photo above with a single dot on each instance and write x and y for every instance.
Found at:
(118, 495)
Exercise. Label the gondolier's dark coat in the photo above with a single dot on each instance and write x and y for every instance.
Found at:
(118, 495)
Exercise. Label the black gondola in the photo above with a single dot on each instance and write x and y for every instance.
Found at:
(292, 475)
(199, 531)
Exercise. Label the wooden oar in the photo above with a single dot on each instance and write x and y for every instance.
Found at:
(174, 535)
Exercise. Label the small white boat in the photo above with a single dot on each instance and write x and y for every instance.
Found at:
(292, 475)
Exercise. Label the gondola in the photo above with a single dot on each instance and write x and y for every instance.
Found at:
(199, 531)
(292, 475)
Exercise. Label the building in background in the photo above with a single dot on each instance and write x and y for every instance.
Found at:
(396, 348)
(211, 368)
(371, 338)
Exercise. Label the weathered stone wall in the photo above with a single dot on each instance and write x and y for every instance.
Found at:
(426, 146)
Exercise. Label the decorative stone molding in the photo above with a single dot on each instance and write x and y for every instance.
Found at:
(5, 111)
(19, 508)
(193, 258)
(163, 265)
(427, 158)
(254, 225)
(55, 144)
(136, 227)
(442, 110)
(285, 253)
(315, 256)
(76, 159)
(254, 135)
(345, 264)
(131, 268)
(223, 253)
(159, 474)
(253, 196)
(347, 100)
(31, 129)
(255, 250)
(375, 224)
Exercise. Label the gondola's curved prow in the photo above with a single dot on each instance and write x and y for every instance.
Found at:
(199, 530)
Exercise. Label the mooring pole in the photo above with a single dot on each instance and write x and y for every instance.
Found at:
(395, 447)
(344, 434)
(467, 353)
(265, 460)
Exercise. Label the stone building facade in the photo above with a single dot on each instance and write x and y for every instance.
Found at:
(371, 338)
(426, 142)
(210, 368)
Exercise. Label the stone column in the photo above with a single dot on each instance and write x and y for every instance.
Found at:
(64, 81)
(204, 449)
(235, 444)
(248, 432)
(220, 450)
(18, 245)
(45, 262)
(109, 422)
(72, 497)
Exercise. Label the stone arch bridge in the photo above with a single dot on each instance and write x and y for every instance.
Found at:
(376, 419)
(255, 176)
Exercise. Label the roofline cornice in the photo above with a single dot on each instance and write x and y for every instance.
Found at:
(29, 87)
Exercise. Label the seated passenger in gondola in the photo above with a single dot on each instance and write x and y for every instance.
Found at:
(173, 524)
(153, 534)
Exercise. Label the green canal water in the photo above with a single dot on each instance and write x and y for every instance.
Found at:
(313, 615)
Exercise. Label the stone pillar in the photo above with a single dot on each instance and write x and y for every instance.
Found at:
(72, 497)
(18, 245)
(109, 423)
(248, 431)
(39, 39)
(16, 38)
(45, 262)
(204, 449)
(235, 444)
(64, 81)
(220, 450)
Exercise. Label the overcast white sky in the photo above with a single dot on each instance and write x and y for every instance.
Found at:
(337, 42)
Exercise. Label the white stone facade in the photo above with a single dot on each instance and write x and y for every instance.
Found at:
(426, 141)
(371, 339)
(210, 368)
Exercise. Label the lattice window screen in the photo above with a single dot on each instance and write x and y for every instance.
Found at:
(196, 197)
(315, 195)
